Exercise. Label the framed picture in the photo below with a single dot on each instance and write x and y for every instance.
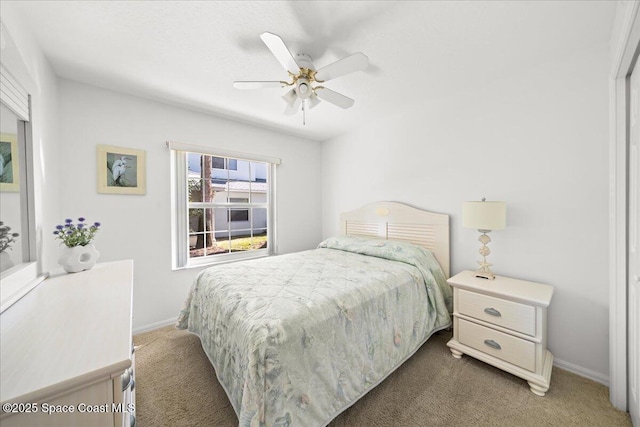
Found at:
(9, 171)
(121, 170)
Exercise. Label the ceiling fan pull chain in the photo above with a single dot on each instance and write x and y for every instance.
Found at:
(304, 119)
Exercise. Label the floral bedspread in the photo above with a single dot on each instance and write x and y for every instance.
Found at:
(296, 339)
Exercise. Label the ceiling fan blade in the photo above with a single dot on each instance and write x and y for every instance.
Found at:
(257, 84)
(334, 97)
(292, 108)
(356, 62)
(280, 51)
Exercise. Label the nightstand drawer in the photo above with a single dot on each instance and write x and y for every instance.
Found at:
(508, 314)
(503, 346)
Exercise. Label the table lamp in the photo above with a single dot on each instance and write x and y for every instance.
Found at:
(484, 216)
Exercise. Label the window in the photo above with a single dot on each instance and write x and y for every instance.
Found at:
(224, 163)
(223, 206)
(237, 215)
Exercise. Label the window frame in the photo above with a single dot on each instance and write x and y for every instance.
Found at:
(180, 202)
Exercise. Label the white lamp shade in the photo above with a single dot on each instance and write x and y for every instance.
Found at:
(290, 97)
(313, 100)
(484, 215)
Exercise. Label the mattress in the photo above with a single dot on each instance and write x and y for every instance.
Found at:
(295, 339)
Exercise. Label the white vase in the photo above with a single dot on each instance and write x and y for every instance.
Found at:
(78, 258)
(5, 261)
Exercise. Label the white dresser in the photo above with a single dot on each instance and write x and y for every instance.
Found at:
(503, 322)
(66, 351)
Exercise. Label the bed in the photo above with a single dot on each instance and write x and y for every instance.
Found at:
(296, 339)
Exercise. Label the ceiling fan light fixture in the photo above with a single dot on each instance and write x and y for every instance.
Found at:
(303, 88)
(290, 97)
(313, 100)
(293, 108)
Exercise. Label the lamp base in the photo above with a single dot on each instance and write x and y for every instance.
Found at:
(484, 272)
(485, 275)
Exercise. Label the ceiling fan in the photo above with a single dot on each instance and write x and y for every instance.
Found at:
(305, 89)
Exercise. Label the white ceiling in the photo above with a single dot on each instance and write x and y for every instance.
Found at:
(189, 52)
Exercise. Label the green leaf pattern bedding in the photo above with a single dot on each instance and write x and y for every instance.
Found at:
(295, 339)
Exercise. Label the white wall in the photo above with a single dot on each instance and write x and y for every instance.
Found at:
(538, 141)
(138, 227)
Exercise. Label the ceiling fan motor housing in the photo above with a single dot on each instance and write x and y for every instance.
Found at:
(304, 61)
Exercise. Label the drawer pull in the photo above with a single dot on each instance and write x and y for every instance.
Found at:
(492, 312)
(493, 344)
(126, 379)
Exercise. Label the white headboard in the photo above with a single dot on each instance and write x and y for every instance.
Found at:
(397, 221)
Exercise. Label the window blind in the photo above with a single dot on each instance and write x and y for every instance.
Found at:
(13, 95)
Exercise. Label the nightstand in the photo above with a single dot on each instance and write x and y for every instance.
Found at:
(503, 322)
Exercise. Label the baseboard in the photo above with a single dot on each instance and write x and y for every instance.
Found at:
(156, 325)
(583, 372)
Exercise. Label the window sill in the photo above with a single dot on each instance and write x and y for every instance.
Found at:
(223, 259)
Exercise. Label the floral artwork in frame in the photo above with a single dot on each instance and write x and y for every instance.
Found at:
(121, 170)
(9, 162)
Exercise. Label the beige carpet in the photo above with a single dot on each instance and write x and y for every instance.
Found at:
(176, 386)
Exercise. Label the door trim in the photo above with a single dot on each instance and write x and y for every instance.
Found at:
(624, 46)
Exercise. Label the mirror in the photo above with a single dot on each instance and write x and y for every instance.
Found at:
(19, 270)
(11, 240)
